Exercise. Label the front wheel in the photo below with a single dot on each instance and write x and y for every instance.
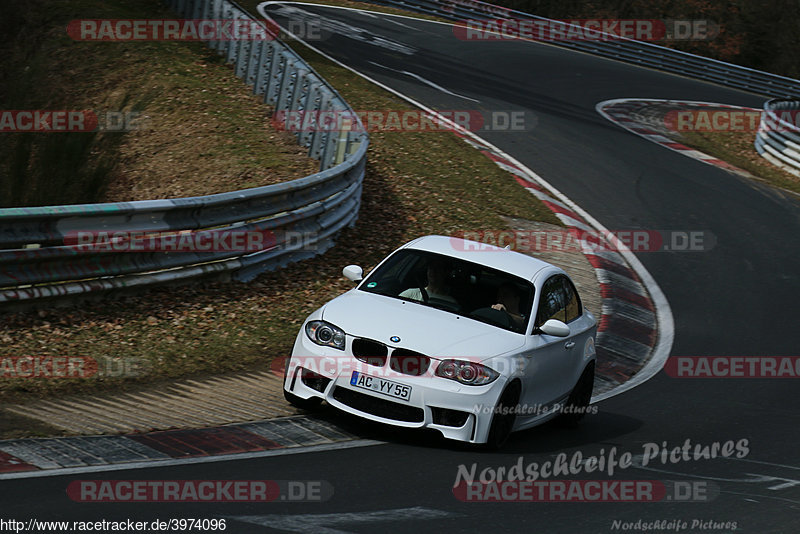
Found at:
(505, 414)
(579, 399)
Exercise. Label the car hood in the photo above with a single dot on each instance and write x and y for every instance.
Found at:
(432, 332)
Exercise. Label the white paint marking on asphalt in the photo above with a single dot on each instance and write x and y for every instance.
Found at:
(316, 522)
(371, 15)
(344, 29)
(762, 496)
(666, 324)
(425, 81)
(188, 461)
(785, 483)
(763, 463)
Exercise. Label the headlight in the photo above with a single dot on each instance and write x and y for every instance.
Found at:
(468, 373)
(325, 334)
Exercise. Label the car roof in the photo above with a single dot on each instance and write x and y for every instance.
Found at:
(484, 254)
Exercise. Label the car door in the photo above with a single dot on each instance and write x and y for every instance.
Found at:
(582, 326)
(551, 360)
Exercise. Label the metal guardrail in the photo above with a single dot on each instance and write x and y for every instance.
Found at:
(36, 262)
(619, 48)
(778, 140)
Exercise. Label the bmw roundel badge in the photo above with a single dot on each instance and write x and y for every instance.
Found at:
(394, 339)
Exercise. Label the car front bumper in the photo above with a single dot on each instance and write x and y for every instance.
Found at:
(459, 412)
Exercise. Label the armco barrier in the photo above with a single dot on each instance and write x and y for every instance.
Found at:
(778, 140)
(37, 263)
(618, 48)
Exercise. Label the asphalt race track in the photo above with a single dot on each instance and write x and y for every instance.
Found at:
(737, 299)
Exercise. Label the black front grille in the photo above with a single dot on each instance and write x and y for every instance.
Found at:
(448, 417)
(370, 352)
(409, 362)
(313, 380)
(380, 407)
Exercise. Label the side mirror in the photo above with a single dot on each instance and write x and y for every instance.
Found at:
(554, 327)
(354, 273)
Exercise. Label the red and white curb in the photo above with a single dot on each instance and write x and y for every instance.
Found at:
(625, 112)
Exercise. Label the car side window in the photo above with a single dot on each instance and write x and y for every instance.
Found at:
(574, 307)
(553, 303)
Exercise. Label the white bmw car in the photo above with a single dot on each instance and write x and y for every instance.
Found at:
(469, 339)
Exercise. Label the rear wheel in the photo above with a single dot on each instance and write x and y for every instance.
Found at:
(505, 414)
(579, 399)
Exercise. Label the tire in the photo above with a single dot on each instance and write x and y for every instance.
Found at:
(502, 423)
(579, 398)
(304, 404)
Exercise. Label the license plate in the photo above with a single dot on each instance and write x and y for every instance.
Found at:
(379, 385)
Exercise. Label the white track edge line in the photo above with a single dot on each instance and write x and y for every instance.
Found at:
(189, 461)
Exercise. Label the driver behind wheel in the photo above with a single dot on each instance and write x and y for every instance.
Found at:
(437, 285)
(508, 301)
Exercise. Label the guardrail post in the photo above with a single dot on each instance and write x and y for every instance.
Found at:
(261, 84)
(207, 10)
(197, 9)
(276, 67)
(310, 108)
(253, 61)
(227, 45)
(288, 82)
(320, 137)
(216, 15)
(345, 133)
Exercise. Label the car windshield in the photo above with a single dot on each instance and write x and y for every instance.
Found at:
(456, 286)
